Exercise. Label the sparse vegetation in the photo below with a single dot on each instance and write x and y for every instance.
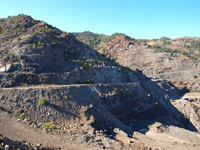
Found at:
(160, 49)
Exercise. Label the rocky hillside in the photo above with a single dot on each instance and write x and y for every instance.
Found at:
(33, 52)
(52, 82)
(175, 60)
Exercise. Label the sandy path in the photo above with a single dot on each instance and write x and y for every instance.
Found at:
(59, 86)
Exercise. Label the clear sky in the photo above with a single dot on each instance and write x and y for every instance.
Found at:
(146, 19)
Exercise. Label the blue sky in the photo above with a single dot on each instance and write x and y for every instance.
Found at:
(145, 19)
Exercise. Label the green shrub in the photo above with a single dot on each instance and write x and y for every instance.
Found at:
(53, 44)
(10, 54)
(22, 115)
(34, 45)
(90, 64)
(50, 125)
(10, 40)
(18, 39)
(42, 52)
(9, 99)
(84, 65)
(90, 60)
(43, 101)
(40, 44)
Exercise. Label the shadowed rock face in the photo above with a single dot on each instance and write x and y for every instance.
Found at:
(112, 105)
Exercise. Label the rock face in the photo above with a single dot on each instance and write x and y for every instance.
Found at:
(190, 111)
